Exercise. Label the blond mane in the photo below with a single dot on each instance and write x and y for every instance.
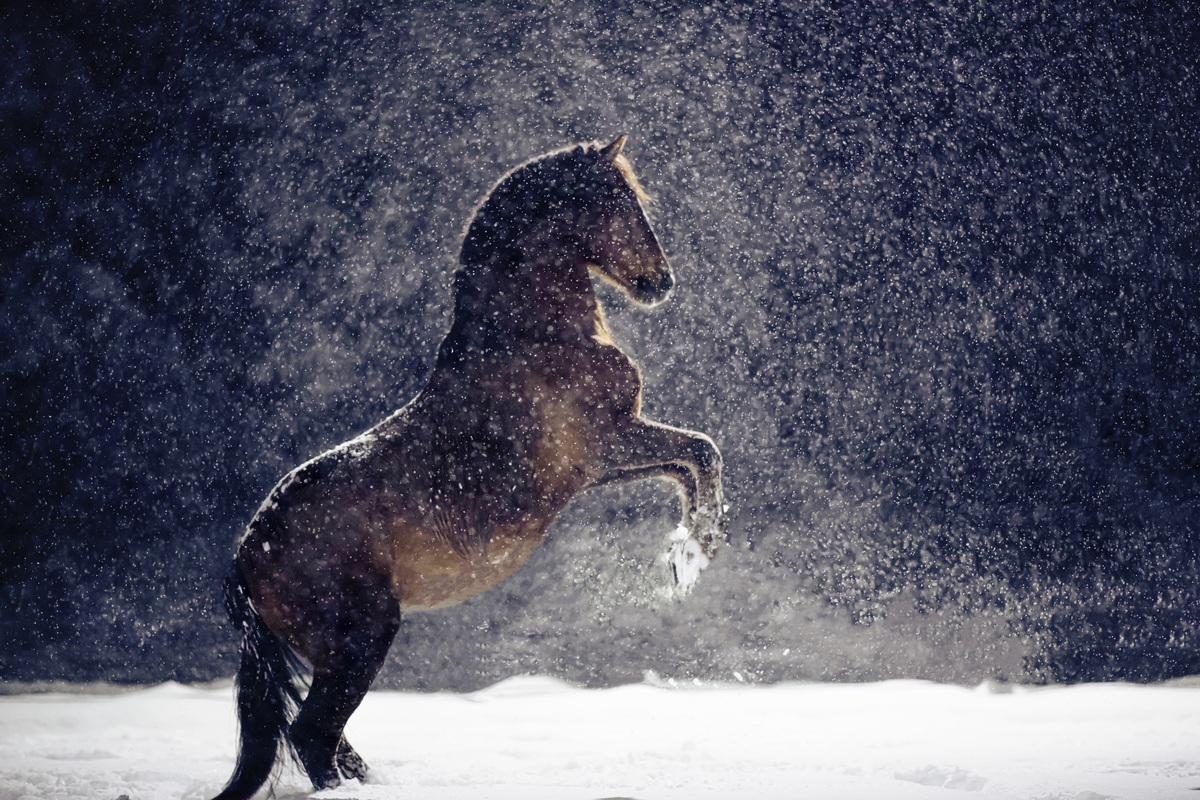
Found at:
(527, 191)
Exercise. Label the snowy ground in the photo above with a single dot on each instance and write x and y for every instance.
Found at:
(534, 738)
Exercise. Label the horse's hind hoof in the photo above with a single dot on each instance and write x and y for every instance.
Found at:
(350, 764)
(325, 780)
(320, 768)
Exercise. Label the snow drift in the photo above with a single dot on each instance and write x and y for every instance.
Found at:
(539, 739)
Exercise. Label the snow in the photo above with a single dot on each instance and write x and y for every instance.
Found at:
(686, 558)
(534, 738)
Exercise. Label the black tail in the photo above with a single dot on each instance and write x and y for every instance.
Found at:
(268, 695)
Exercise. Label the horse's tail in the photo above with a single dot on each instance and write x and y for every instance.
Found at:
(268, 695)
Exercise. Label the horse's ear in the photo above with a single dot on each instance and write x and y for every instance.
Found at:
(613, 150)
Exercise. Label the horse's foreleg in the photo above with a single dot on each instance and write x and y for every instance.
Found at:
(648, 449)
(677, 473)
(337, 689)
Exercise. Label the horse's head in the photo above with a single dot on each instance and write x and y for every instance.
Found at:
(582, 207)
(615, 234)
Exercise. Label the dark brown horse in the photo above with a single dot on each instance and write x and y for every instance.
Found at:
(529, 404)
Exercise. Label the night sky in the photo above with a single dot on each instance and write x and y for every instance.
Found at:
(938, 301)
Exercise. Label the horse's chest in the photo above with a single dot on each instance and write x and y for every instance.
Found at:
(429, 575)
(587, 382)
(573, 415)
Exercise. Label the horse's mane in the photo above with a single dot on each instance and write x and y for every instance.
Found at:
(532, 190)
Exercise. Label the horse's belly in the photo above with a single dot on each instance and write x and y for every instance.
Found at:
(428, 573)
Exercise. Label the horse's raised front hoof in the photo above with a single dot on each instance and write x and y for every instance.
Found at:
(687, 560)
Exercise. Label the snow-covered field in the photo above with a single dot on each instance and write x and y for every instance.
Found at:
(535, 738)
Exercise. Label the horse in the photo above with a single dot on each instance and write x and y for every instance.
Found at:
(529, 403)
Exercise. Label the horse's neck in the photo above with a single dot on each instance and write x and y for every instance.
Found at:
(536, 300)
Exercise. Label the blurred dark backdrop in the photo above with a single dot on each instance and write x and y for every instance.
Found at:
(938, 302)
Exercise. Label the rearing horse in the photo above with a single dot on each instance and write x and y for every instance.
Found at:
(530, 403)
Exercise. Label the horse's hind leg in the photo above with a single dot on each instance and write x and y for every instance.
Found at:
(337, 689)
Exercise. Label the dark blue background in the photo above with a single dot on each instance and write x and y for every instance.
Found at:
(938, 303)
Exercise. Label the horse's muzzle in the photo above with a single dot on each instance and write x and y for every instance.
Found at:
(653, 289)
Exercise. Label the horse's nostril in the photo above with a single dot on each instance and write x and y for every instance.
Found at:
(653, 287)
